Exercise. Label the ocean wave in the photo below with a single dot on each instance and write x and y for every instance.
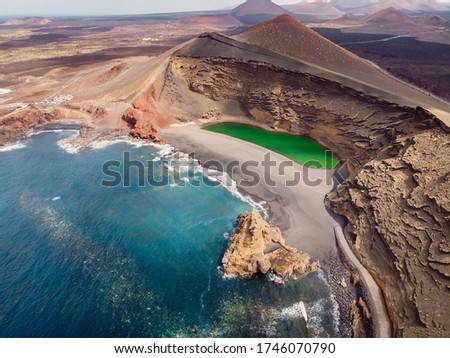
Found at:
(4, 91)
(334, 303)
(316, 309)
(11, 147)
(105, 143)
(228, 183)
(73, 148)
(297, 310)
(35, 133)
(67, 144)
(164, 149)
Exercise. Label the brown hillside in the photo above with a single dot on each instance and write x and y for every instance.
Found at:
(286, 35)
(388, 15)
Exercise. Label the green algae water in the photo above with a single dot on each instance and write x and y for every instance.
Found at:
(301, 150)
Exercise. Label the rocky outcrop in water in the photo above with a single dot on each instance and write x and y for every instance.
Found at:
(256, 247)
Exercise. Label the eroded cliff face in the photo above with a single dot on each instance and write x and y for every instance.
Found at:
(398, 210)
(256, 247)
(355, 125)
(17, 125)
(143, 117)
(397, 198)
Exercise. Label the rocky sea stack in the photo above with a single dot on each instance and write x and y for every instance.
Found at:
(256, 247)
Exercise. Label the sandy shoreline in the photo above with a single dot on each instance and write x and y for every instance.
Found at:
(298, 210)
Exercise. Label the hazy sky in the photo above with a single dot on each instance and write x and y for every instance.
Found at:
(110, 7)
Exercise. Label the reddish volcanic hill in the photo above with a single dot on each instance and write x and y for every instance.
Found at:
(258, 7)
(286, 35)
(389, 15)
(344, 20)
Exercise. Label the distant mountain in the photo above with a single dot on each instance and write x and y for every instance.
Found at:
(257, 7)
(429, 5)
(319, 8)
(343, 20)
(351, 4)
(388, 15)
(412, 6)
(255, 11)
(31, 21)
(434, 20)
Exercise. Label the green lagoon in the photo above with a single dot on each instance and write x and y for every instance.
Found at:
(301, 150)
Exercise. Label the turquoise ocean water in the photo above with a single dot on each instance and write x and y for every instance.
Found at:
(81, 260)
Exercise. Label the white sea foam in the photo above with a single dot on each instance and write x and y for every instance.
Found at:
(202, 296)
(334, 303)
(297, 310)
(228, 276)
(11, 147)
(4, 91)
(102, 144)
(34, 133)
(68, 145)
(313, 312)
(165, 150)
(228, 183)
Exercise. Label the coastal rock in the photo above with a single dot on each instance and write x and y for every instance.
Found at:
(355, 278)
(141, 125)
(144, 119)
(256, 247)
(18, 124)
(361, 326)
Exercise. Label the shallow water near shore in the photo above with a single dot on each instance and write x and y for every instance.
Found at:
(81, 260)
